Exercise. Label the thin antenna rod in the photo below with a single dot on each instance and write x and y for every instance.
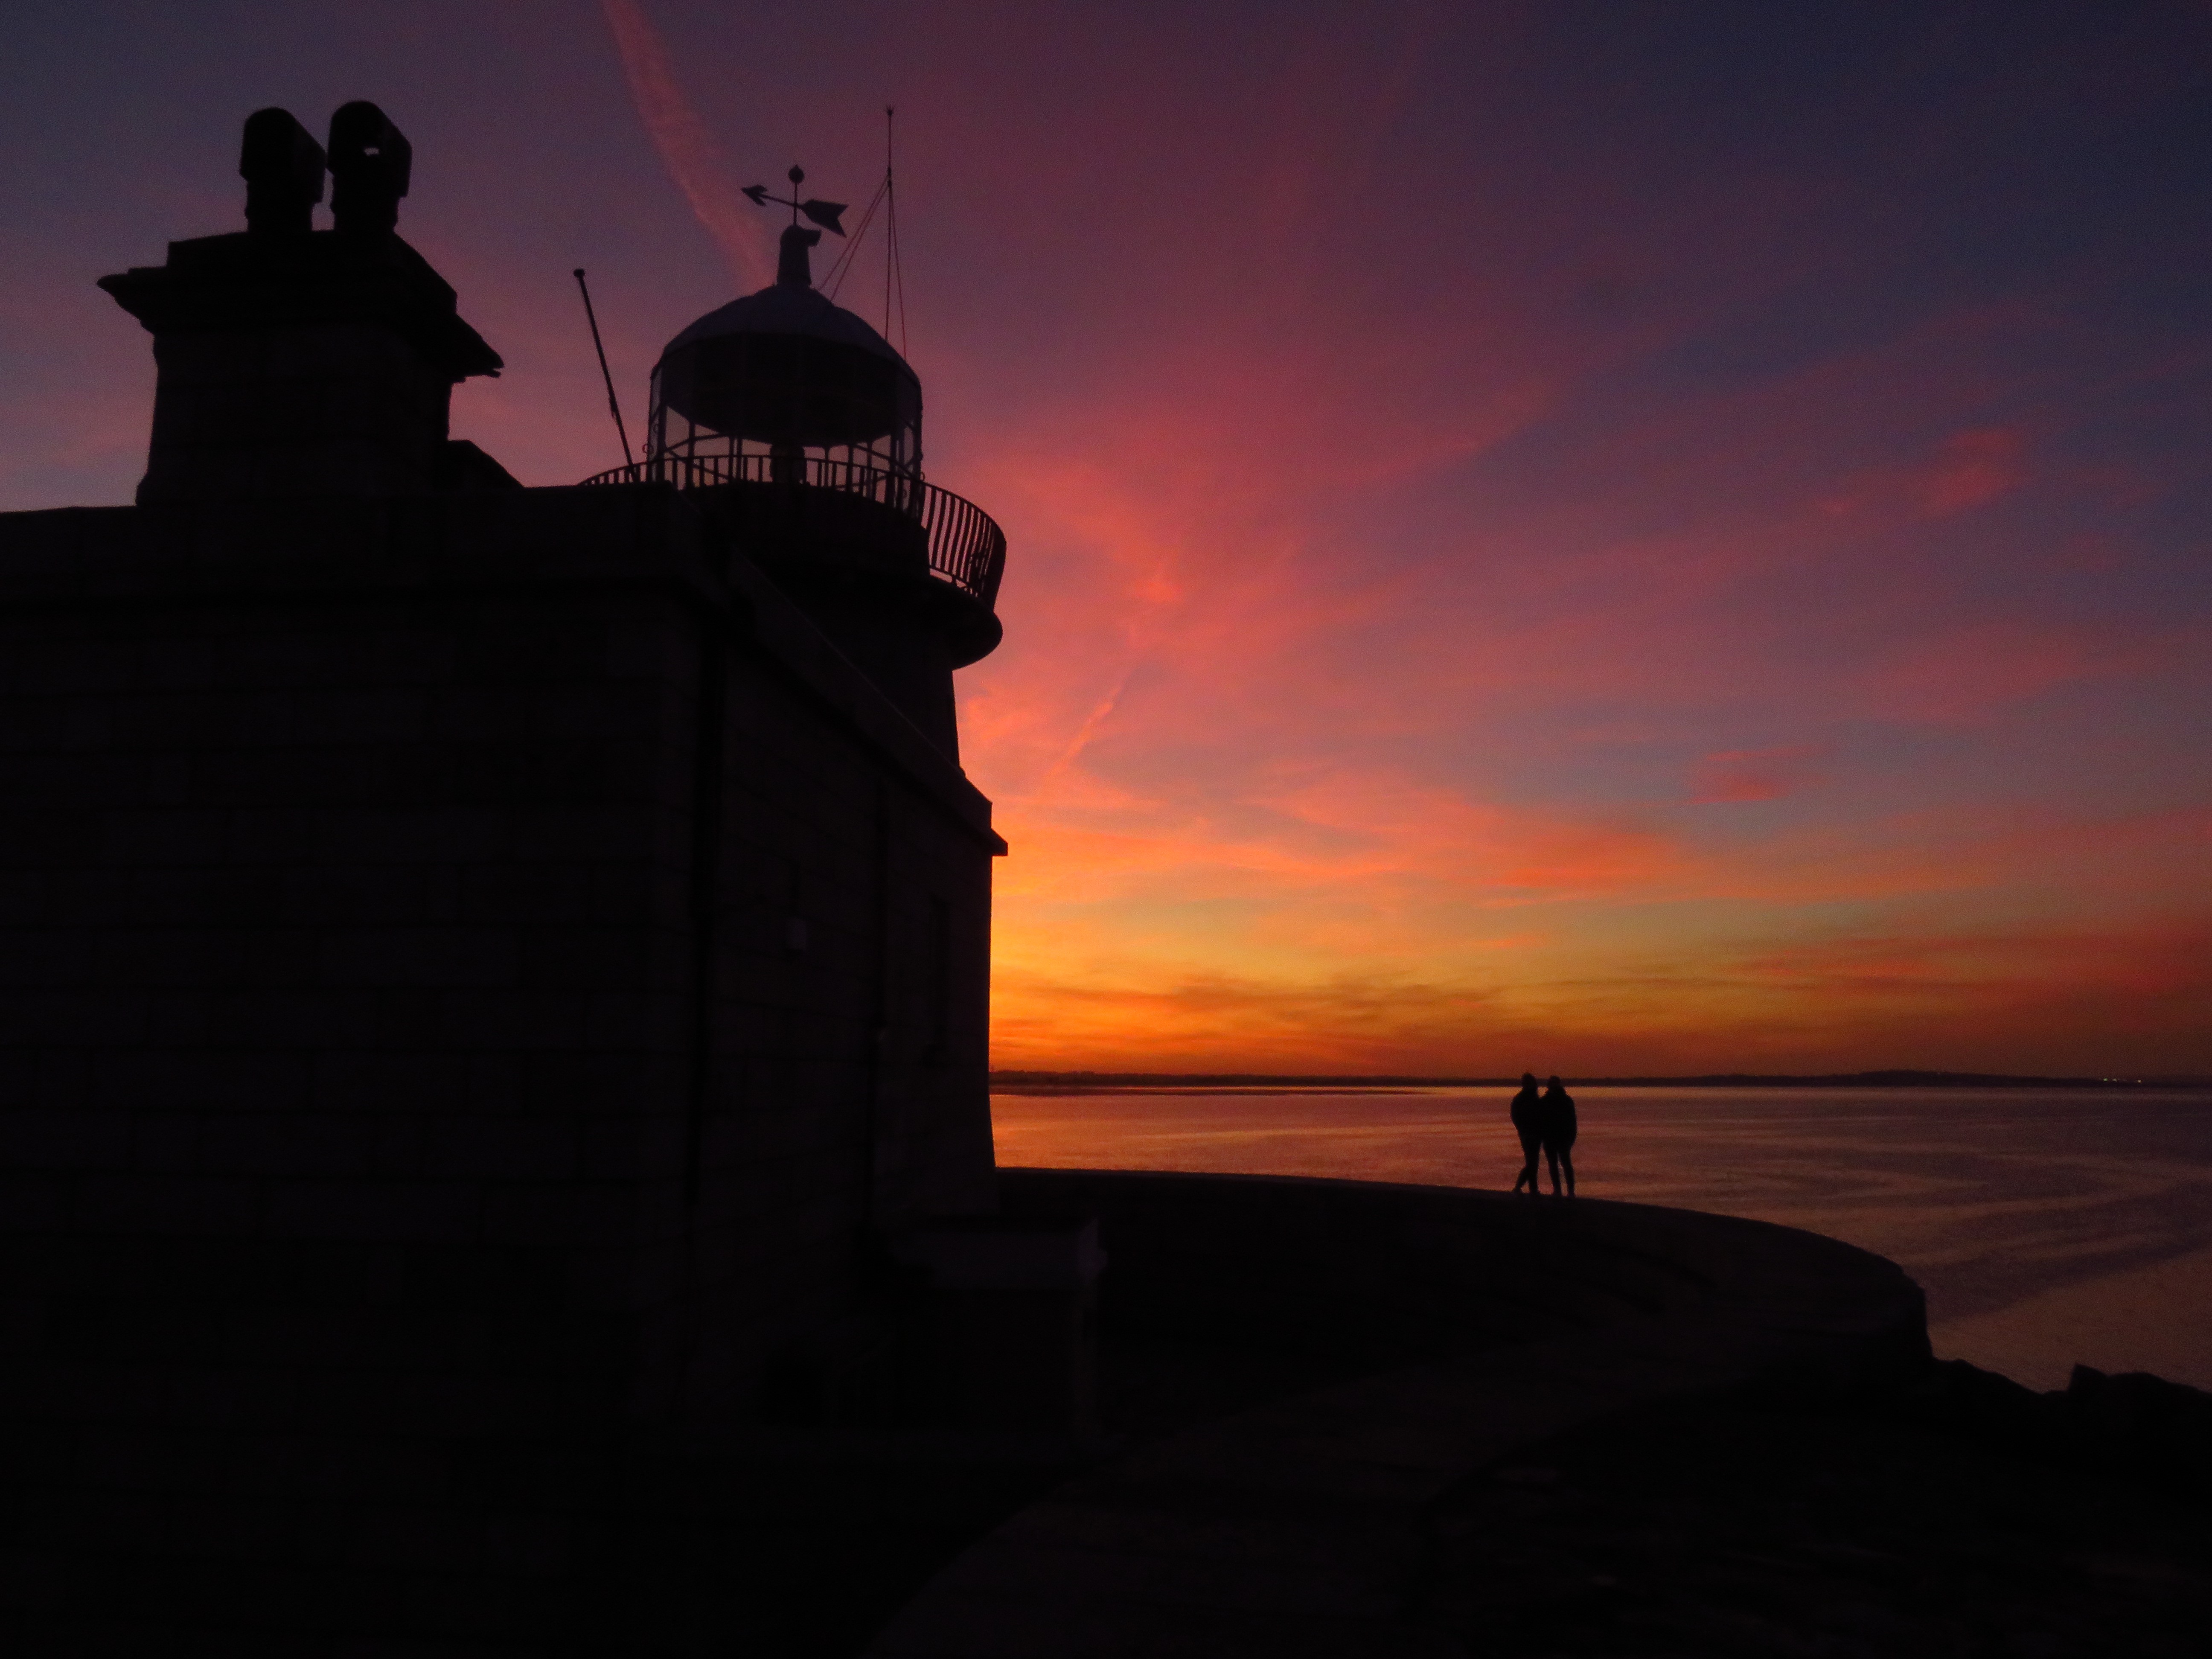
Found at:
(888, 136)
(843, 269)
(894, 269)
(614, 405)
(898, 271)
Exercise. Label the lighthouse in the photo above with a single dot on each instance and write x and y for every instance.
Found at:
(798, 429)
(499, 974)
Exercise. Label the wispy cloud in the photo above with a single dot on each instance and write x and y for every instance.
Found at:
(687, 149)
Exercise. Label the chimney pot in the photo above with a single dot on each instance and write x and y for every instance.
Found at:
(370, 161)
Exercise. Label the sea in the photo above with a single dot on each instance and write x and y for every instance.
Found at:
(2049, 1226)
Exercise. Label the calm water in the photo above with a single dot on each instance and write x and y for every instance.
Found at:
(2047, 1226)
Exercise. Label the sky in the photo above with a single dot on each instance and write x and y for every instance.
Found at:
(1611, 539)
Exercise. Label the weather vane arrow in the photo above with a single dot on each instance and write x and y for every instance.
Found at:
(824, 213)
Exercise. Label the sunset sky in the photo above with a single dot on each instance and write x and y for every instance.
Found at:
(1604, 537)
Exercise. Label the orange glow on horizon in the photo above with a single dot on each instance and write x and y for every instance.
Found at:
(1660, 542)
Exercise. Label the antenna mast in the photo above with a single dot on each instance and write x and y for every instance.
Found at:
(892, 272)
(614, 403)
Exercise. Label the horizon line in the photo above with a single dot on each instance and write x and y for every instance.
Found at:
(1885, 1077)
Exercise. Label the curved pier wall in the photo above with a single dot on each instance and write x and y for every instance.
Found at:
(1467, 1325)
(1406, 1274)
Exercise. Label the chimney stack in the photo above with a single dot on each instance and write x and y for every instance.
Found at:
(295, 361)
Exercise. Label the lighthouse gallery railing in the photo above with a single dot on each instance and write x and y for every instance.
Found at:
(966, 546)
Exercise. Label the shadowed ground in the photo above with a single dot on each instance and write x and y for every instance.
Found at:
(1350, 1419)
(1459, 1327)
(1746, 1528)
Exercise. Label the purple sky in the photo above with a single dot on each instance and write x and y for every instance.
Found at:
(1603, 537)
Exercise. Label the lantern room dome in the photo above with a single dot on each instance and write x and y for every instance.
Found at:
(787, 378)
(790, 309)
(788, 366)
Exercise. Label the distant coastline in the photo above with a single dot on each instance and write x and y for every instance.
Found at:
(1020, 1082)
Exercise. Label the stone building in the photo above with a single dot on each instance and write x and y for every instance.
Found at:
(491, 973)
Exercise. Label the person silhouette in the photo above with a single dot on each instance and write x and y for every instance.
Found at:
(1555, 1128)
(1526, 1106)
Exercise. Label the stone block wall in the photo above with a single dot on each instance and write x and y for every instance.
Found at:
(477, 975)
(311, 409)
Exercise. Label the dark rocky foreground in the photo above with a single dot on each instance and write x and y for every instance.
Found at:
(1961, 1516)
(1950, 1513)
(1469, 1425)
(1353, 1420)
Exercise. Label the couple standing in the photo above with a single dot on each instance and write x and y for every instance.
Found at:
(1545, 1124)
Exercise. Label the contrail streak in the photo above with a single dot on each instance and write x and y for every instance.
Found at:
(686, 148)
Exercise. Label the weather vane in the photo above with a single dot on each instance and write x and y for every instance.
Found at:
(824, 213)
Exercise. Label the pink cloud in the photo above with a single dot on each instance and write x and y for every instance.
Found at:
(1753, 774)
(2117, 861)
(1968, 673)
(1972, 468)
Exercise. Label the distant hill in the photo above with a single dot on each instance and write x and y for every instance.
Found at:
(1013, 1080)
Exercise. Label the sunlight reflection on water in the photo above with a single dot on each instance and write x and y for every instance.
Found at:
(2047, 1226)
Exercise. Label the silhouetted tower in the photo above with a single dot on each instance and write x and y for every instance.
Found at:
(800, 428)
(492, 987)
